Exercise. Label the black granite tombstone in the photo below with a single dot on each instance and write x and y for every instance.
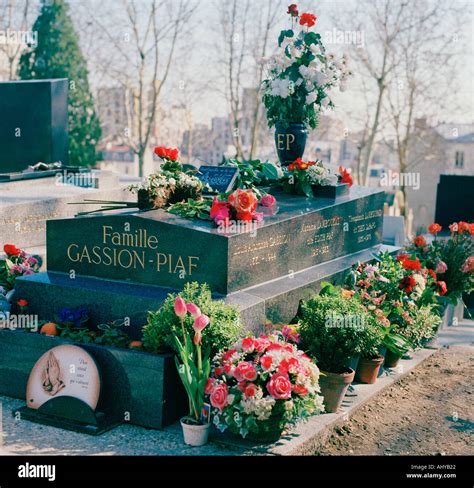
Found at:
(33, 123)
(158, 248)
(454, 199)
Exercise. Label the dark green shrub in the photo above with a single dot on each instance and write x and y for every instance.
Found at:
(334, 329)
(223, 329)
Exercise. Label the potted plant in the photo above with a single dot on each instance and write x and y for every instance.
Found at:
(193, 368)
(296, 90)
(261, 386)
(336, 327)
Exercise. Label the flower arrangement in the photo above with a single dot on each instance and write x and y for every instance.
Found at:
(171, 185)
(450, 260)
(262, 385)
(301, 75)
(16, 263)
(402, 294)
(241, 205)
(301, 176)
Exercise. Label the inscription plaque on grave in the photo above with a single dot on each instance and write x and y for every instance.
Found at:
(220, 178)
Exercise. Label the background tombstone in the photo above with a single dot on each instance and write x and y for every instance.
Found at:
(33, 125)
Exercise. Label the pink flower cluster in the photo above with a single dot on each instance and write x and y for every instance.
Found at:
(17, 263)
(259, 372)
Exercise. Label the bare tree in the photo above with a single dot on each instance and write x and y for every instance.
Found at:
(14, 15)
(140, 43)
(428, 45)
(246, 32)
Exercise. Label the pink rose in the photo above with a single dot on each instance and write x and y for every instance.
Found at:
(219, 396)
(193, 310)
(257, 216)
(279, 386)
(180, 307)
(245, 371)
(441, 267)
(266, 362)
(468, 265)
(268, 201)
(248, 344)
(261, 344)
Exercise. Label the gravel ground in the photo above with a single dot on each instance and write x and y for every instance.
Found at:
(429, 412)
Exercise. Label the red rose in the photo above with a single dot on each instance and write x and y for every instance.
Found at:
(432, 273)
(218, 372)
(300, 390)
(471, 229)
(293, 10)
(402, 257)
(419, 241)
(407, 284)
(266, 362)
(22, 302)
(288, 366)
(245, 371)
(11, 250)
(248, 344)
(345, 176)
(442, 288)
(279, 386)
(219, 396)
(434, 229)
(413, 264)
(308, 19)
(250, 390)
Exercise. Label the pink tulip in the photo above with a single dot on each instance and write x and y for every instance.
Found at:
(180, 307)
(193, 310)
(200, 323)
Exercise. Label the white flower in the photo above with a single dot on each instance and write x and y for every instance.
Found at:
(320, 78)
(311, 97)
(280, 87)
(295, 52)
(315, 49)
(325, 102)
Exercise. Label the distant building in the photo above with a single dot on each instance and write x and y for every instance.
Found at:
(447, 149)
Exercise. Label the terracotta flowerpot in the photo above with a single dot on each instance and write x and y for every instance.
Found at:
(391, 359)
(368, 369)
(194, 434)
(333, 388)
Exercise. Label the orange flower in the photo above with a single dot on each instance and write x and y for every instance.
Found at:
(463, 226)
(434, 229)
(244, 202)
(419, 241)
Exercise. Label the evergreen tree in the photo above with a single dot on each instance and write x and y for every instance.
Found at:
(58, 55)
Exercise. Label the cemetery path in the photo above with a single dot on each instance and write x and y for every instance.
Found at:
(428, 412)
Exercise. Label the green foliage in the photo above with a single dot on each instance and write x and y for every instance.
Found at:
(223, 329)
(420, 327)
(191, 209)
(58, 55)
(194, 370)
(333, 343)
(112, 334)
(254, 173)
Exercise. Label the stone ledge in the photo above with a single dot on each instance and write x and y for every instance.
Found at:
(311, 435)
